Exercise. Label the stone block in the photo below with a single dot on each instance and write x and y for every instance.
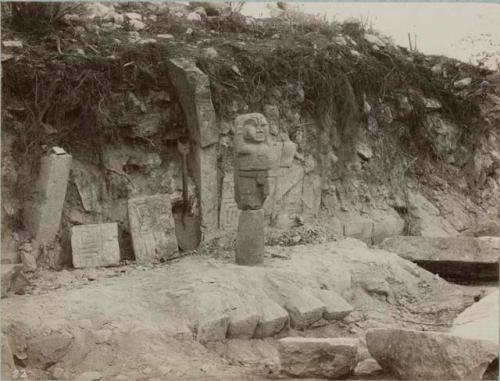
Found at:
(243, 321)
(212, 329)
(152, 228)
(273, 318)
(330, 358)
(95, 245)
(416, 355)
(336, 306)
(451, 257)
(43, 215)
(304, 309)
(250, 239)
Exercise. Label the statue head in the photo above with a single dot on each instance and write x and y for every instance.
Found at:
(253, 127)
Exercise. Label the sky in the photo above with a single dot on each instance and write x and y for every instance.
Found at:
(458, 30)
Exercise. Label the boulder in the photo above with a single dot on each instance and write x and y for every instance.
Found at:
(479, 321)
(318, 357)
(415, 355)
(450, 257)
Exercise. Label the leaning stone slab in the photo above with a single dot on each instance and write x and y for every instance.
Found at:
(95, 245)
(415, 355)
(318, 357)
(43, 215)
(479, 321)
(152, 228)
(304, 309)
(193, 89)
(450, 257)
(336, 306)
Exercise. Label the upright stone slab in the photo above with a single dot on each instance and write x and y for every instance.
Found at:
(152, 228)
(43, 215)
(193, 89)
(251, 236)
(95, 245)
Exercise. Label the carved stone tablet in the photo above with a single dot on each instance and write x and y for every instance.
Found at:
(95, 245)
(152, 228)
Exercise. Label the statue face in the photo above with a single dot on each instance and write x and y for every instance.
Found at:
(257, 130)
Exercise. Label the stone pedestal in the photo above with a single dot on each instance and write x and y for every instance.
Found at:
(251, 236)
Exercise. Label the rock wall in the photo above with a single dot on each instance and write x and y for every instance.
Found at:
(370, 159)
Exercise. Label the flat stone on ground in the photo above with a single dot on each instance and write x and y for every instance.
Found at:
(318, 357)
(273, 319)
(95, 245)
(416, 355)
(450, 257)
(304, 309)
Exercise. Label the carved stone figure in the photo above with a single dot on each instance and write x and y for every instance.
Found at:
(252, 161)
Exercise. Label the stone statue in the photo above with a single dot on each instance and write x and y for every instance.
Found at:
(252, 161)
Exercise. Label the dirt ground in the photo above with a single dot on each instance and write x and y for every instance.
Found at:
(137, 322)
